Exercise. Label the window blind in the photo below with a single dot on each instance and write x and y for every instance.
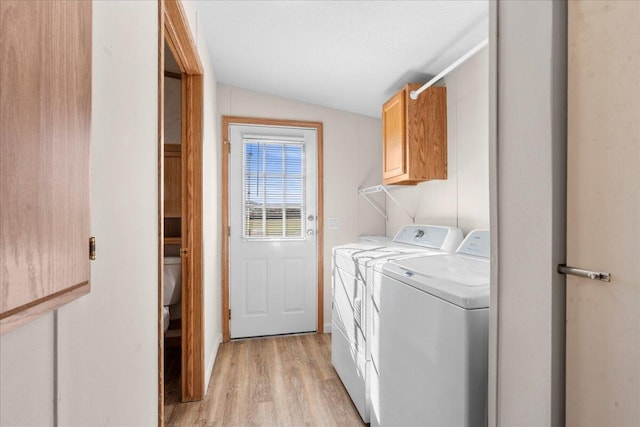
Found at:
(274, 189)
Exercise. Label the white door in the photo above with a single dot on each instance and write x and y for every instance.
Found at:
(603, 214)
(272, 215)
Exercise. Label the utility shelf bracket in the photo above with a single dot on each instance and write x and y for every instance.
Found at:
(366, 191)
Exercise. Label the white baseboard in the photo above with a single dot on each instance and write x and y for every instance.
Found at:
(212, 360)
(327, 328)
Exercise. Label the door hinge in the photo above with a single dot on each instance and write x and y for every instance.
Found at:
(228, 146)
(92, 248)
(229, 314)
(229, 231)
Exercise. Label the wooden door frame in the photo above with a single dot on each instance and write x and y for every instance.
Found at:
(249, 121)
(173, 27)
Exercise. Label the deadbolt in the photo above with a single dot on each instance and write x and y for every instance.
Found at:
(311, 218)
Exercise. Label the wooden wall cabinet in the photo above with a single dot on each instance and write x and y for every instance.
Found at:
(172, 180)
(45, 116)
(414, 136)
(172, 198)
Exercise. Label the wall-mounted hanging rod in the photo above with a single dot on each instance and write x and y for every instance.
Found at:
(415, 93)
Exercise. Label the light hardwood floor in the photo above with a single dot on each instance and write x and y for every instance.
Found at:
(278, 381)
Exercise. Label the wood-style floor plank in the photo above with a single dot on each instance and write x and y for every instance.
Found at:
(276, 381)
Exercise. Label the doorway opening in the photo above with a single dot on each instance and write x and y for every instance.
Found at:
(272, 275)
(179, 204)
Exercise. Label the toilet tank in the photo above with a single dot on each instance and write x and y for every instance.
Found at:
(172, 280)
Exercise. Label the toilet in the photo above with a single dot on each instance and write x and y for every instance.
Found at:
(172, 289)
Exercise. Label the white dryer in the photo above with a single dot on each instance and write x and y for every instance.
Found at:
(351, 309)
(430, 339)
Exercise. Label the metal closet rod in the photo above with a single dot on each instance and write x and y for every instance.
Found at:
(415, 93)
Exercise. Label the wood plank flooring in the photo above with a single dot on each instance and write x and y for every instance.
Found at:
(276, 381)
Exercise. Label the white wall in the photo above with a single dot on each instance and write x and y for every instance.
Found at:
(27, 361)
(462, 200)
(352, 158)
(528, 221)
(172, 109)
(108, 363)
(210, 199)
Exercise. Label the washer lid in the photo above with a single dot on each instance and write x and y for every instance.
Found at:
(374, 239)
(354, 248)
(462, 280)
(368, 257)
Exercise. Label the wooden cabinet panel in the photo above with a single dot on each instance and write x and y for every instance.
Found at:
(45, 111)
(394, 136)
(415, 136)
(172, 181)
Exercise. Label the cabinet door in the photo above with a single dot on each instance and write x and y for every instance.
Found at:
(172, 181)
(45, 111)
(394, 131)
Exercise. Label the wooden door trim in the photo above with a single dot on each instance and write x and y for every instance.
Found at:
(160, 212)
(173, 28)
(160, 303)
(178, 36)
(229, 120)
(192, 303)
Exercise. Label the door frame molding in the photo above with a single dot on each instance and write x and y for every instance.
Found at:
(173, 28)
(233, 120)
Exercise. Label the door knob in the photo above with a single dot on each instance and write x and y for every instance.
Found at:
(309, 232)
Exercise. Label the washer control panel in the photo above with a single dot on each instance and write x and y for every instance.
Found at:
(429, 236)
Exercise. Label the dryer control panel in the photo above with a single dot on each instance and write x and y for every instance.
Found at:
(476, 243)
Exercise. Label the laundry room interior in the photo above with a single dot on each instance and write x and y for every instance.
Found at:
(317, 213)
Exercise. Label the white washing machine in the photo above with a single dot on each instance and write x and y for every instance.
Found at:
(430, 339)
(374, 239)
(351, 309)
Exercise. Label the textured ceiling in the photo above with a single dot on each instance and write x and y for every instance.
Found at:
(349, 55)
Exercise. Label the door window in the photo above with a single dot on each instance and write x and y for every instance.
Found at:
(273, 182)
